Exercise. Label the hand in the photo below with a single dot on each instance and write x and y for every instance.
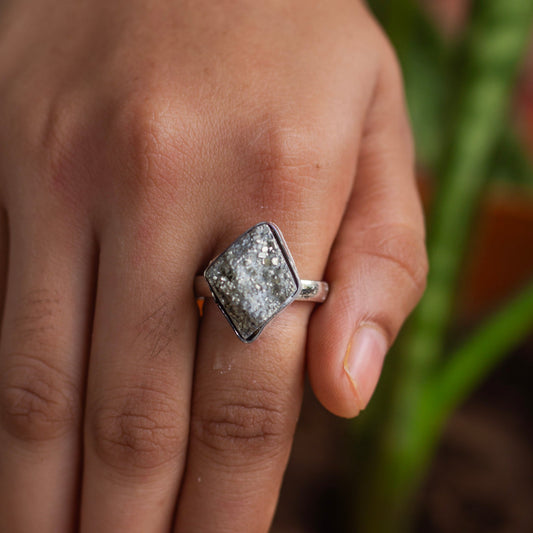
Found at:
(137, 140)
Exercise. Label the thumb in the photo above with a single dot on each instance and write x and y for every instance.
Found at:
(377, 267)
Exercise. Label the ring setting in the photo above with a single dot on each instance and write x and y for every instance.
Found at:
(254, 279)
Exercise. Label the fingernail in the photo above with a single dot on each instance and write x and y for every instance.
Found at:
(364, 360)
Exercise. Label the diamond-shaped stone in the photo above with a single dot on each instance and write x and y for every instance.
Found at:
(253, 280)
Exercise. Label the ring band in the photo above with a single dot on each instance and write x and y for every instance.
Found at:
(311, 291)
(254, 279)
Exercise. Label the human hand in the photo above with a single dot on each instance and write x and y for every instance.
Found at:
(137, 140)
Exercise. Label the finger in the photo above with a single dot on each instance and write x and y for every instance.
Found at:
(45, 334)
(139, 387)
(377, 267)
(247, 402)
(4, 255)
(247, 397)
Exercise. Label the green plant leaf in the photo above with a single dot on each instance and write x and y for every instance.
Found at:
(511, 163)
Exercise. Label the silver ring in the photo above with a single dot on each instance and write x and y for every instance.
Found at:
(254, 279)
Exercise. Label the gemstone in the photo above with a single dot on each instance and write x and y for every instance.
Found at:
(253, 280)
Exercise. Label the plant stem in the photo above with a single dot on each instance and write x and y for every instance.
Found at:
(469, 364)
(466, 368)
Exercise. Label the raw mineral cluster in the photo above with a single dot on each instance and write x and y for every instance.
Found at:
(253, 280)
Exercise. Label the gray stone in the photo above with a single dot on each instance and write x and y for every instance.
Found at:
(253, 280)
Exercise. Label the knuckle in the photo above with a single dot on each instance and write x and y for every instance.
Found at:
(155, 139)
(37, 401)
(402, 249)
(406, 251)
(286, 167)
(245, 426)
(278, 148)
(158, 148)
(65, 143)
(137, 429)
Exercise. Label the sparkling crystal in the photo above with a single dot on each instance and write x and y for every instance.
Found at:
(253, 280)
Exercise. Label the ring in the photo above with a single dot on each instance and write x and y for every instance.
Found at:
(254, 279)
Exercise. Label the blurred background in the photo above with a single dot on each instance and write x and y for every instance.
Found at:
(447, 443)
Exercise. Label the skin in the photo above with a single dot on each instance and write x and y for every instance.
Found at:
(137, 140)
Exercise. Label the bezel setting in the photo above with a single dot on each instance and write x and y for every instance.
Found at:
(253, 280)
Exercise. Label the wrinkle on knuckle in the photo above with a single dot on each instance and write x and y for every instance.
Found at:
(67, 143)
(287, 169)
(137, 429)
(35, 327)
(158, 147)
(38, 402)
(400, 247)
(244, 426)
(158, 329)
